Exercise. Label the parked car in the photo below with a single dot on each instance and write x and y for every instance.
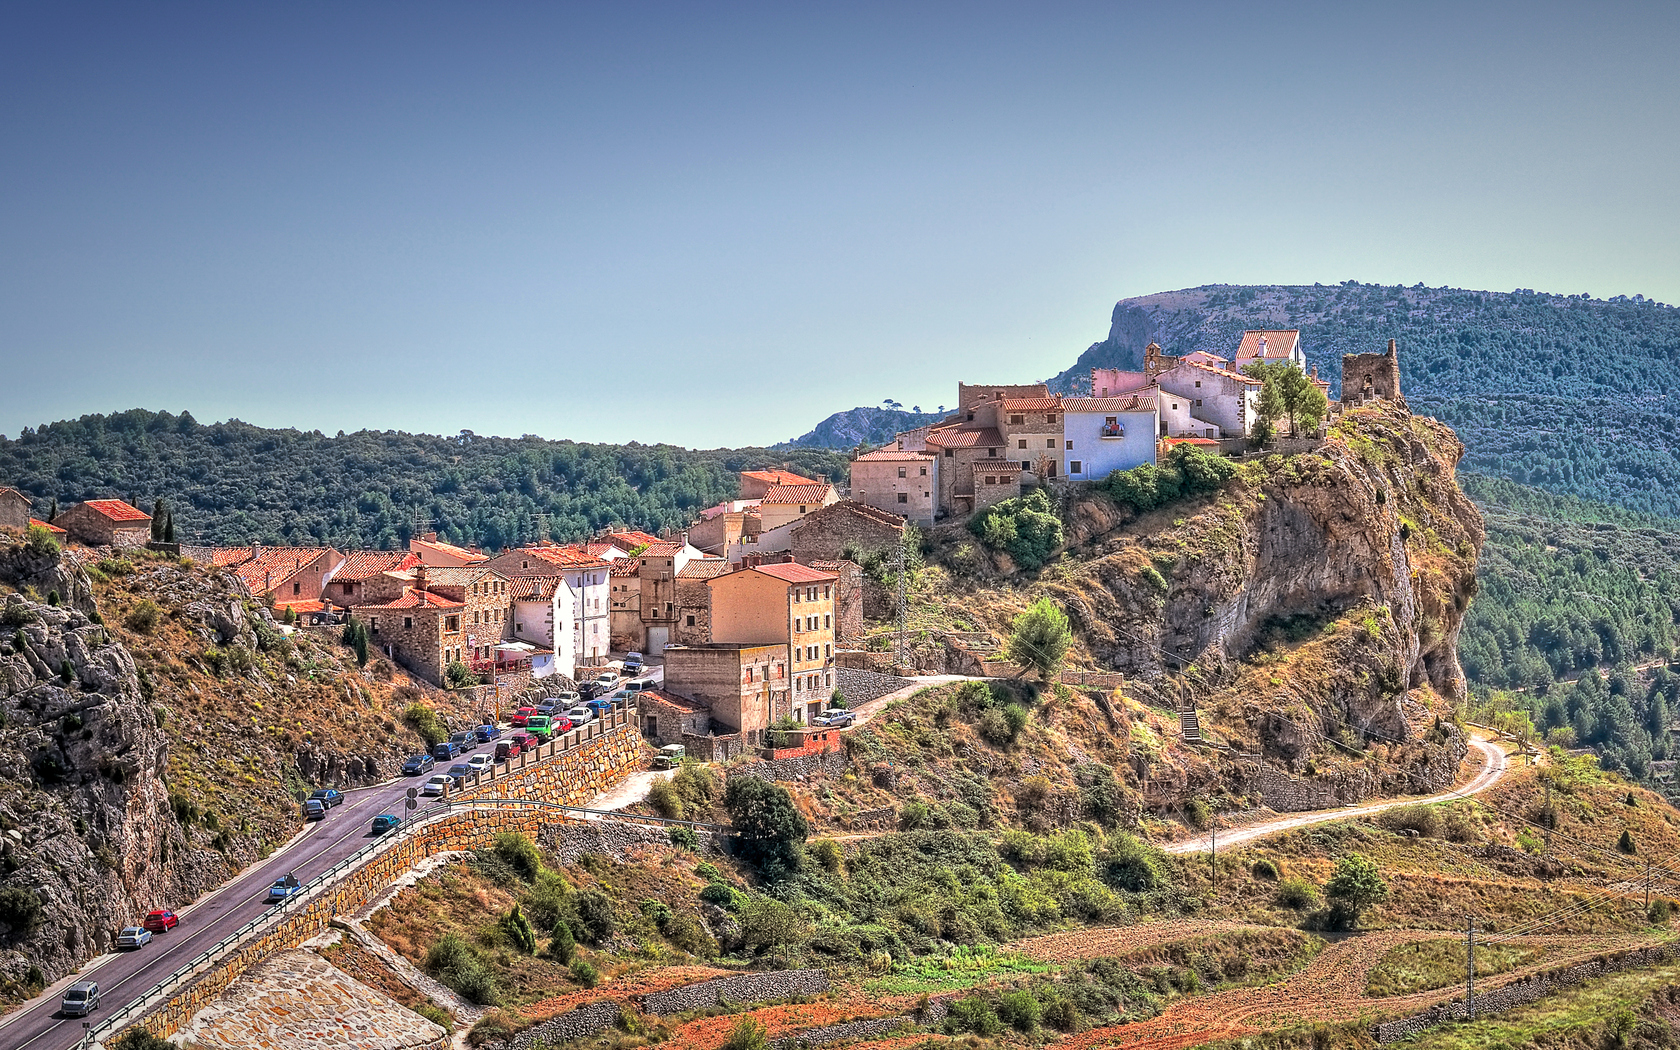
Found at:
(134, 937)
(80, 999)
(418, 764)
(328, 797)
(386, 822)
(459, 772)
(521, 716)
(605, 680)
(670, 756)
(437, 784)
(480, 763)
(284, 888)
(581, 715)
(590, 690)
(565, 699)
(161, 920)
(601, 705)
(541, 726)
(446, 751)
(464, 741)
(632, 663)
(547, 707)
(487, 733)
(506, 749)
(525, 741)
(640, 685)
(835, 717)
(314, 809)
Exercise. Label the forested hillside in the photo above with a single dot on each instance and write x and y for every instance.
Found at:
(235, 483)
(1568, 393)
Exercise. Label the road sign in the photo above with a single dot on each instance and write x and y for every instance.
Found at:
(413, 793)
(410, 802)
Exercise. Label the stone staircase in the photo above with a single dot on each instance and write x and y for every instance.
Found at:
(1189, 724)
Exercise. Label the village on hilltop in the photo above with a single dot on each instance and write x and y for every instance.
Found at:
(750, 607)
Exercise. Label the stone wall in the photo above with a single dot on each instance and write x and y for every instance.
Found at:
(740, 988)
(859, 686)
(566, 779)
(588, 1020)
(1104, 680)
(833, 763)
(574, 839)
(578, 771)
(713, 747)
(1523, 992)
(850, 1031)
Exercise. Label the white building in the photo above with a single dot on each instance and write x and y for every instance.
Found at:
(1105, 434)
(560, 601)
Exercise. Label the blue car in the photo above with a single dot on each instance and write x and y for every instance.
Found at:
(446, 751)
(487, 733)
(385, 822)
(284, 888)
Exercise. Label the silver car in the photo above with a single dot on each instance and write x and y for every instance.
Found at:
(134, 937)
(438, 784)
(581, 715)
(80, 999)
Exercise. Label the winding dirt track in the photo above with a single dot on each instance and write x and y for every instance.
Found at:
(1494, 766)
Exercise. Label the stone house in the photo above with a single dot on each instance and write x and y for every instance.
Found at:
(347, 586)
(578, 621)
(1031, 428)
(419, 629)
(624, 600)
(291, 576)
(785, 504)
(971, 443)
(728, 524)
(486, 610)
(668, 717)
(107, 523)
(897, 482)
(625, 541)
(14, 509)
(848, 598)
(694, 600)
(847, 526)
(434, 552)
(965, 451)
(743, 686)
(784, 604)
(57, 533)
(755, 483)
(1104, 434)
(1222, 403)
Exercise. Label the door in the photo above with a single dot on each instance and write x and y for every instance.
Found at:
(657, 639)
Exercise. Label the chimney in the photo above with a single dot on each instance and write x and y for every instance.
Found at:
(1391, 348)
(420, 578)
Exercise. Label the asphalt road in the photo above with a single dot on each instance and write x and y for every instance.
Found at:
(124, 976)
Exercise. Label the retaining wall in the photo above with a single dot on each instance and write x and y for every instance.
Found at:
(800, 767)
(873, 1028)
(566, 779)
(859, 686)
(588, 1020)
(573, 839)
(1523, 992)
(740, 988)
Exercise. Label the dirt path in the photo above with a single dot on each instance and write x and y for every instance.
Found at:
(1494, 765)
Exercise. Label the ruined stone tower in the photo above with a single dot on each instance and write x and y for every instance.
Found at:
(1371, 377)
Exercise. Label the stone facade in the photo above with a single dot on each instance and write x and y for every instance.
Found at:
(486, 609)
(744, 687)
(694, 601)
(900, 483)
(799, 767)
(1371, 377)
(848, 599)
(14, 509)
(106, 523)
(843, 530)
(859, 686)
(667, 718)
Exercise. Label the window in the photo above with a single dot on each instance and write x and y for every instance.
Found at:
(991, 453)
(825, 591)
(1016, 421)
(297, 588)
(1021, 443)
(1070, 446)
(1049, 442)
(1026, 464)
(949, 453)
(904, 497)
(373, 625)
(901, 472)
(408, 622)
(453, 623)
(828, 620)
(1198, 383)
(1198, 402)
(691, 621)
(991, 480)
(802, 509)
(1051, 418)
(924, 472)
(1076, 467)
(828, 650)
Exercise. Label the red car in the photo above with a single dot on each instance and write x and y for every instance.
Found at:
(525, 741)
(521, 716)
(161, 921)
(559, 724)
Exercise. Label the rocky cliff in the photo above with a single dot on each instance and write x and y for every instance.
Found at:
(156, 729)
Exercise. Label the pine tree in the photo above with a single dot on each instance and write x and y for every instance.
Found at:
(157, 518)
(169, 528)
(519, 932)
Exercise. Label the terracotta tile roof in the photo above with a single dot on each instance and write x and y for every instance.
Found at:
(459, 575)
(533, 588)
(892, 455)
(792, 572)
(449, 549)
(704, 569)
(116, 510)
(302, 606)
(663, 549)
(365, 565)
(778, 477)
(1206, 358)
(1031, 404)
(629, 540)
(1139, 402)
(960, 437)
(565, 557)
(54, 529)
(673, 700)
(413, 599)
(1189, 441)
(1279, 344)
(227, 557)
(811, 492)
(625, 567)
(856, 509)
(601, 550)
(1225, 373)
(270, 566)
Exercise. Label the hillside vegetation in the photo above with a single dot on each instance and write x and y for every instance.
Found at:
(234, 483)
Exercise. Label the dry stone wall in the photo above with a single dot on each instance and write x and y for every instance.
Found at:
(572, 840)
(861, 686)
(588, 1020)
(740, 988)
(849, 1031)
(799, 767)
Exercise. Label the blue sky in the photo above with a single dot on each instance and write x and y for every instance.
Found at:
(715, 224)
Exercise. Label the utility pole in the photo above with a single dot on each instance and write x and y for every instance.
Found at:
(902, 661)
(1470, 968)
(1213, 853)
(1550, 819)
(1647, 887)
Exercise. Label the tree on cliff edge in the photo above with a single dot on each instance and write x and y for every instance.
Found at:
(1040, 638)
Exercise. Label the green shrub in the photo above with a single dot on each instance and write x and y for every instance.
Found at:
(1356, 885)
(458, 675)
(494, 1027)
(771, 831)
(663, 797)
(1100, 797)
(683, 838)
(456, 963)
(768, 923)
(913, 816)
(16, 614)
(1265, 870)
(1026, 528)
(53, 599)
(1186, 471)
(1659, 912)
(1296, 894)
(994, 728)
(1020, 1010)
(689, 933)
(518, 930)
(655, 911)
(718, 893)
(20, 909)
(1626, 843)
(707, 870)
(595, 914)
(548, 899)
(519, 853)
(436, 1014)
(585, 974)
(425, 721)
(828, 855)
(747, 1034)
(1062, 1015)
(41, 542)
(143, 617)
(972, 1014)
(1039, 639)
(141, 1039)
(1127, 863)
(1197, 814)
(562, 945)
(696, 783)
(1422, 820)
